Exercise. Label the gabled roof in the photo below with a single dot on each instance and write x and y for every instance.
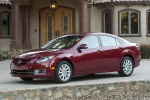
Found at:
(6, 2)
(107, 1)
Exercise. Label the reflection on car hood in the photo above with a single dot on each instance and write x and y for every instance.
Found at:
(38, 53)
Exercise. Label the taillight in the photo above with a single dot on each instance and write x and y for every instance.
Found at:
(138, 48)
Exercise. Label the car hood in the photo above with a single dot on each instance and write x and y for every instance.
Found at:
(38, 53)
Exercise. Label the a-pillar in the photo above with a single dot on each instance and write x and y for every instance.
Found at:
(83, 16)
(26, 44)
(15, 43)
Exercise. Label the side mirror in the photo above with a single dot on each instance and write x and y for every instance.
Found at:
(83, 46)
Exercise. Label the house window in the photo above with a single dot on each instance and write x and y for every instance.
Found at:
(148, 22)
(129, 22)
(5, 24)
(107, 22)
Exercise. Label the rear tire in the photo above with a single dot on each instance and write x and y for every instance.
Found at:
(63, 72)
(26, 79)
(126, 67)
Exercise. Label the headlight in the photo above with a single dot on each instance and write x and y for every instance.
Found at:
(44, 59)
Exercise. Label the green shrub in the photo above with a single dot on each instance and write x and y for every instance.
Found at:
(0, 57)
(145, 51)
(10, 54)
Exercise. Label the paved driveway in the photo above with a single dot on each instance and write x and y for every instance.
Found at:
(11, 83)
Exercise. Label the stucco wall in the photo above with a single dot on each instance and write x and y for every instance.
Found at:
(96, 20)
(96, 17)
(5, 42)
(5, 8)
(34, 19)
(139, 40)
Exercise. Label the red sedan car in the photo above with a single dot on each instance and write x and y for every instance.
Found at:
(77, 54)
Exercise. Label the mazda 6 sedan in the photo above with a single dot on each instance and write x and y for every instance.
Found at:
(77, 54)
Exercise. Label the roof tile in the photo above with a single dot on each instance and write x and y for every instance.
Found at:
(106, 1)
(7, 2)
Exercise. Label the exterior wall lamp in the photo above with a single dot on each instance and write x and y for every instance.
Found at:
(53, 4)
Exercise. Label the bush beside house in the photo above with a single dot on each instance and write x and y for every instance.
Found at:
(6, 54)
(145, 51)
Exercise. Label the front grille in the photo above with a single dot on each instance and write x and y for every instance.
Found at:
(21, 62)
(27, 72)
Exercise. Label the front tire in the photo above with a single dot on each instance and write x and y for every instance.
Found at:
(26, 79)
(126, 67)
(63, 72)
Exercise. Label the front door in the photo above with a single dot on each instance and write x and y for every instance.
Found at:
(90, 59)
(54, 23)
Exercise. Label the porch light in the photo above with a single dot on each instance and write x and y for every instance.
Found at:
(53, 4)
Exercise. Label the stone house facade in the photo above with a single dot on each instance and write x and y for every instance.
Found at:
(29, 24)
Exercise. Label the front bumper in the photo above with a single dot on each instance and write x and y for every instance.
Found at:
(31, 70)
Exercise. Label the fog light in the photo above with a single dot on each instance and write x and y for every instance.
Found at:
(39, 71)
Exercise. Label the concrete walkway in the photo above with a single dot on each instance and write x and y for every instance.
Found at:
(13, 83)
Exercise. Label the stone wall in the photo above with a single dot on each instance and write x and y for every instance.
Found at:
(135, 90)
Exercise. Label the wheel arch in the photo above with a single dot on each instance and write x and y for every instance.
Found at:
(127, 55)
(72, 64)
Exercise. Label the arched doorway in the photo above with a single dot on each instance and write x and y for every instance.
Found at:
(54, 23)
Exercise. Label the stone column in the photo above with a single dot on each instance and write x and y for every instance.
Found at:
(89, 18)
(83, 16)
(26, 44)
(15, 43)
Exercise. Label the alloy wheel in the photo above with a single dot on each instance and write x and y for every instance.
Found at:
(127, 66)
(64, 72)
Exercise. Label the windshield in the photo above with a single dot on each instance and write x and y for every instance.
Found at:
(65, 42)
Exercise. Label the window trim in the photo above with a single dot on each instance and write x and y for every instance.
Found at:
(111, 37)
(80, 42)
(147, 34)
(119, 23)
(103, 26)
(5, 12)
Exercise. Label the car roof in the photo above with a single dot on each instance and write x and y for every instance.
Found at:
(99, 33)
(91, 33)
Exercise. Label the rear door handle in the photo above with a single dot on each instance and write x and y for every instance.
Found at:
(99, 51)
(120, 47)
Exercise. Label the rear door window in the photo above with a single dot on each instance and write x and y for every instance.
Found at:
(108, 41)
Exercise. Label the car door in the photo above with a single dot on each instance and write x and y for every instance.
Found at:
(87, 60)
(111, 52)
